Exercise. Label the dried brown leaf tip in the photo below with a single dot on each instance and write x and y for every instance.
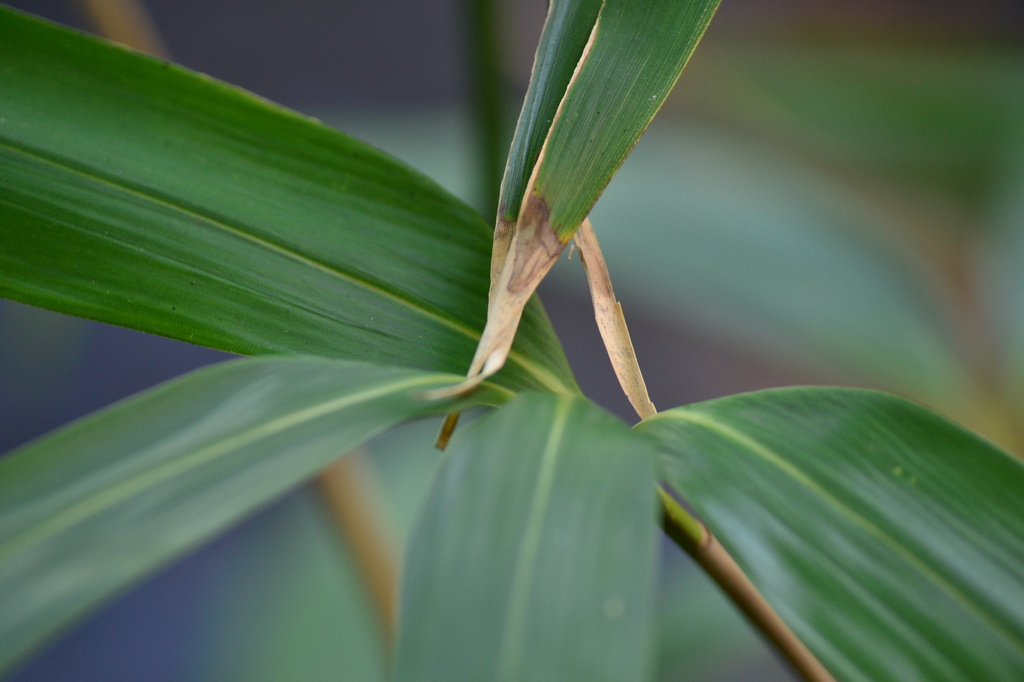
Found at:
(524, 261)
(612, 323)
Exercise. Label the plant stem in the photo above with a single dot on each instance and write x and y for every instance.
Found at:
(487, 99)
(126, 22)
(342, 487)
(697, 541)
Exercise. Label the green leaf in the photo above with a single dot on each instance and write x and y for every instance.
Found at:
(139, 194)
(636, 54)
(534, 556)
(566, 31)
(94, 507)
(887, 537)
(292, 592)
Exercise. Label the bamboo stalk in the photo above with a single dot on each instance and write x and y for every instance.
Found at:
(695, 539)
(342, 488)
(126, 22)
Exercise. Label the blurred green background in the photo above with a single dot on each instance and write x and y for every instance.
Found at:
(834, 194)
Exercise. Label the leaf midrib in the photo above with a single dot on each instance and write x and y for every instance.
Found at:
(542, 375)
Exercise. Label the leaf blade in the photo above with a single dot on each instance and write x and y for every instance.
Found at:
(584, 146)
(178, 205)
(565, 34)
(534, 556)
(594, 131)
(859, 518)
(93, 507)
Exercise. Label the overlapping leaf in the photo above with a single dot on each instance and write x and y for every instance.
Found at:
(137, 193)
(632, 58)
(635, 54)
(566, 31)
(888, 538)
(92, 508)
(534, 557)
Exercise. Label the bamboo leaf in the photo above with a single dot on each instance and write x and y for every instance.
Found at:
(534, 556)
(887, 537)
(92, 508)
(139, 194)
(635, 57)
(566, 31)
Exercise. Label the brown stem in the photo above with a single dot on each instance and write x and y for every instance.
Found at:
(126, 22)
(342, 487)
(697, 541)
